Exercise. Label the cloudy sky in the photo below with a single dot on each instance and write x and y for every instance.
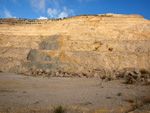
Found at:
(43, 9)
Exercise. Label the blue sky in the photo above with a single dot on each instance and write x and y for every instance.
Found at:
(42, 9)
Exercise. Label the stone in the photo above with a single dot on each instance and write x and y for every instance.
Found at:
(48, 71)
(128, 73)
(81, 75)
(29, 73)
(137, 71)
(43, 74)
(57, 73)
(113, 77)
(24, 70)
(80, 69)
(66, 75)
(35, 72)
(39, 73)
(40, 70)
(97, 69)
(148, 81)
(61, 75)
(106, 75)
(53, 73)
(74, 74)
(96, 74)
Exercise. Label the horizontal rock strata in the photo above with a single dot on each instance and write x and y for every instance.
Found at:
(76, 44)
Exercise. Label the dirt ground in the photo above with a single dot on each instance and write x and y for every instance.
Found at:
(28, 94)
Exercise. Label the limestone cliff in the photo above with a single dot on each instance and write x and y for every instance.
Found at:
(108, 41)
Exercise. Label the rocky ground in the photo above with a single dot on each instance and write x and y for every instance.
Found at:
(130, 75)
(32, 94)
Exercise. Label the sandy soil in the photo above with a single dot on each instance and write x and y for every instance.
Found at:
(27, 94)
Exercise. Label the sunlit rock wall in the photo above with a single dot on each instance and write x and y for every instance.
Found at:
(109, 41)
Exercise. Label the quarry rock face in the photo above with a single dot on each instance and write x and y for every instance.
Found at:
(88, 42)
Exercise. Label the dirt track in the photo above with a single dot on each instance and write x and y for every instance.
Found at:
(27, 94)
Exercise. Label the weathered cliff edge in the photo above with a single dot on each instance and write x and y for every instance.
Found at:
(88, 42)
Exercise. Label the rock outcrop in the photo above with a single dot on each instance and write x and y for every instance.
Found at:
(76, 44)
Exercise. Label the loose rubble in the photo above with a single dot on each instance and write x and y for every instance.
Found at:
(131, 76)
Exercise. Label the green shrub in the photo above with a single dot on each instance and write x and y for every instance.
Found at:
(59, 109)
(119, 94)
(105, 15)
(64, 17)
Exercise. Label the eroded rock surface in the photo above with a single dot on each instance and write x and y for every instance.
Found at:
(74, 45)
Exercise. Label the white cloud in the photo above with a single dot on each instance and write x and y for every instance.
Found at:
(38, 5)
(42, 17)
(53, 13)
(66, 12)
(71, 12)
(62, 15)
(8, 14)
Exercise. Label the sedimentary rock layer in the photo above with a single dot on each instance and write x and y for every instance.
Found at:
(87, 42)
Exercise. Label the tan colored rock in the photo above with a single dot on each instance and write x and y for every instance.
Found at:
(96, 74)
(148, 81)
(109, 41)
